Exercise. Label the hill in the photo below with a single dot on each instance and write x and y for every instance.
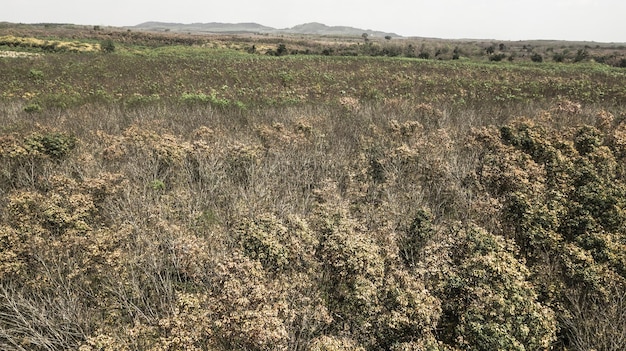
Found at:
(213, 27)
(216, 27)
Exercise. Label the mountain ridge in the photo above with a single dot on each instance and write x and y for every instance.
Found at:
(311, 28)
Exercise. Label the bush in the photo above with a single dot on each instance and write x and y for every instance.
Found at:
(107, 46)
(55, 145)
(558, 57)
(379, 303)
(581, 55)
(35, 74)
(488, 301)
(424, 55)
(281, 50)
(32, 107)
(416, 237)
(535, 57)
(497, 57)
(201, 98)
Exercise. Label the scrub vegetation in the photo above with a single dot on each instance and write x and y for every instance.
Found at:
(192, 192)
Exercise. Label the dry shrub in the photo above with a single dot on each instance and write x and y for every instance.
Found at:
(279, 245)
(406, 129)
(596, 323)
(277, 136)
(25, 158)
(604, 120)
(350, 104)
(187, 328)
(427, 109)
(286, 249)
(55, 271)
(617, 140)
(568, 107)
(190, 256)
(203, 132)
(246, 310)
(369, 296)
(36, 321)
(331, 343)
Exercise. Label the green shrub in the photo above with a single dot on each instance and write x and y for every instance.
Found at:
(536, 57)
(488, 300)
(201, 98)
(281, 50)
(416, 237)
(35, 74)
(107, 46)
(55, 145)
(497, 57)
(558, 57)
(587, 139)
(157, 185)
(581, 55)
(32, 107)
(424, 55)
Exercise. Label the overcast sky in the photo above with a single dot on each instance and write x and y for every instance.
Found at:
(591, 20)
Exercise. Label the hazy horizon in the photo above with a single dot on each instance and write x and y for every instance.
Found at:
(574, 20)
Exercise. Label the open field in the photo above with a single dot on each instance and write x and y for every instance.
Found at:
(197, 192)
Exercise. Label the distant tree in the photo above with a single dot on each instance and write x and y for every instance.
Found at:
(490, 50)
(388, 37)
(502, 47)
(365, 37)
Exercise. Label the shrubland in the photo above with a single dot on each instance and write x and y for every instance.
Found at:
(196, 198)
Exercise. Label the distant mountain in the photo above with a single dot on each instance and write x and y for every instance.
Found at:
(215, 27)
(322, 29)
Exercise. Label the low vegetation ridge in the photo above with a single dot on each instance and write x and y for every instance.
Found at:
(166, 191)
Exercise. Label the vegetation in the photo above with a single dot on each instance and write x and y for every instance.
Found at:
(170, 194)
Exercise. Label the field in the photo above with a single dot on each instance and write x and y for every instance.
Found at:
(164, 191)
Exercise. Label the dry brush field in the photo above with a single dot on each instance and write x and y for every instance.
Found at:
(171, 195)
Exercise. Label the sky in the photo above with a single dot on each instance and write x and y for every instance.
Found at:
(576, 20)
